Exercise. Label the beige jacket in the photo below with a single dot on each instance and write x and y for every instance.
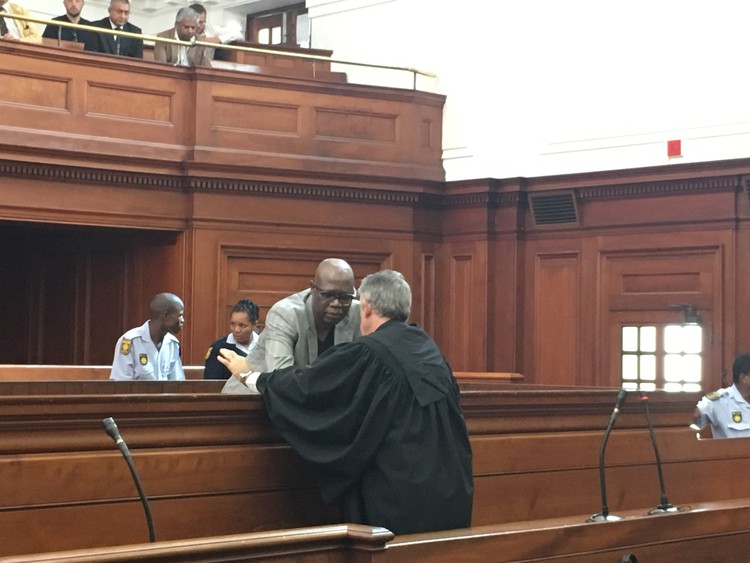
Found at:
(169, 52)
(28, 31)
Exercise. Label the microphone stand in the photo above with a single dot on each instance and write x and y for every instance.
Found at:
(664, 506)
(110, 427)
(604, 515)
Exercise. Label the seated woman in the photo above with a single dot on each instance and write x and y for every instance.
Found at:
(242, 339)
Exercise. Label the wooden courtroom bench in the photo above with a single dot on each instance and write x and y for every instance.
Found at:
(36, 372)
(704, 532)
(24, 372)
(213, 464)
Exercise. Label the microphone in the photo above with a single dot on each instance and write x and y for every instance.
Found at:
(604, 515)
(664, 505)
(110, 427)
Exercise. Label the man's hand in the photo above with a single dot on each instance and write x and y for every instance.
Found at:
(234, 362)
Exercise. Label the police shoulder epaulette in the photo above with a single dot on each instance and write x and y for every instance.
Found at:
(713, 395)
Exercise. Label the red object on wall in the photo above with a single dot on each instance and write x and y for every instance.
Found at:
(674, 148)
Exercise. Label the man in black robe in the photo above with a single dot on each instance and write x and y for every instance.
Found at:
(378, 419)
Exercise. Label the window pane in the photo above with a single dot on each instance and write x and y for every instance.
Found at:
(648, 367)
(630, 385)
(648, 339)
(692, 339)
(276, 35)
(692, 368)
(648, 386)
(629, 366)
(674, 367)
(673, 339)
(263, 36)
(630, 339)
(691, 388)
(672, 387)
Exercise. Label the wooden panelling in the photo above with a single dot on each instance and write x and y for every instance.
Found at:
(41, 91)
(212, 464)
(655, 278)
(557, 318)
(305, 169)
(707, 532)
(355, 126)
(324, 544)
(242, 116)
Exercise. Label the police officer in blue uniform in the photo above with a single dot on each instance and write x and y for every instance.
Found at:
(152, 351)
(728, 410)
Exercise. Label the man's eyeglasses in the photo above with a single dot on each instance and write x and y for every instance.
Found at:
(328, 296)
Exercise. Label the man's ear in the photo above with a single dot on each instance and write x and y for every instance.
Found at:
(365, 309)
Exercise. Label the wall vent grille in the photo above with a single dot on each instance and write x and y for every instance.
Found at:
(558, 208)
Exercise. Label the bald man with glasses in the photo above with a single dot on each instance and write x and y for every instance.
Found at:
(299, 328)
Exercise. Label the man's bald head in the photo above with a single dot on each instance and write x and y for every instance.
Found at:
(333, 270)
(332, 292)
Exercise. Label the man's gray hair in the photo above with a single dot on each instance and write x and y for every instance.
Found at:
(388, 293)
(186, 13)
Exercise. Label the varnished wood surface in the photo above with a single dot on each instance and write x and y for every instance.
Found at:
(213, 464)
(703, 532)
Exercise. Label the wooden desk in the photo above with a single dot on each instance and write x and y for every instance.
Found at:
(213, 464)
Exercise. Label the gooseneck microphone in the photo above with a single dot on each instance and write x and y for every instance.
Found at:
(604, 515)
(110, 427)
(664, 505)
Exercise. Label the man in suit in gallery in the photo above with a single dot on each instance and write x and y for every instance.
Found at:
(185, 26)
(17, 30)
(119, 12)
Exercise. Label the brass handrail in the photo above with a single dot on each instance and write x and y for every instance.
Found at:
(92, 29)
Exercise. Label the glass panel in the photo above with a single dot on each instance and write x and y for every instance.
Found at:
(672, 387)
(629, 366)
(630, 339)
(263, 36)
(673, 339)
(692, 368)
(674, 367)
(648, 386)
(276, 35)
(630, 385)
(691, 388)
(648, 367)
(648, 339)
(678, 338)
(692, 339)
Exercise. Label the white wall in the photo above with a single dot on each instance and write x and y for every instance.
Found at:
(538, 87)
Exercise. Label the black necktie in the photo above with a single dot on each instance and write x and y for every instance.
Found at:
(117, 40)
(3, 27)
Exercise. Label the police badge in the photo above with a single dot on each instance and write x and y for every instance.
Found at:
(736, 417)
(144, 359)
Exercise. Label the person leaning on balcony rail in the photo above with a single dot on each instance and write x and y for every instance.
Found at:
(119, 13)
(73, 9)
(728, 410)
(185, 29)
(17, 30)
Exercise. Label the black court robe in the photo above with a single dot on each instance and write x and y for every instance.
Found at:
(379, 421)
